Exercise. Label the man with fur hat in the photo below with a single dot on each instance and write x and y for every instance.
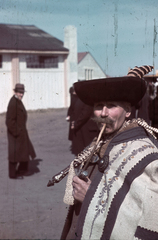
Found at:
(20, 147)
(119, 198)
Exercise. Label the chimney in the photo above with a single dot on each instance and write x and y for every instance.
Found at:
(70, 42)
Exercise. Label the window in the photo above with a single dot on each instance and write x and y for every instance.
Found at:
(36, 61)
(0, 61)
(88, 74)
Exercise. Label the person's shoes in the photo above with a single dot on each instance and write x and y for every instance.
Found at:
(20, 172)
(19, 177)
(27, 174)
(23, 173)
(16, 177)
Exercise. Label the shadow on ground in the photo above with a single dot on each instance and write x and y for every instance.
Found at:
(33, 166)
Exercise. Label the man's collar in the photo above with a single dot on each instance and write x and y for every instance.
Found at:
(16, 97)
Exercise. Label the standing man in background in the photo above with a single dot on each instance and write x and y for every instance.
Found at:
(70, 112)
(84, 128)
(20, 147)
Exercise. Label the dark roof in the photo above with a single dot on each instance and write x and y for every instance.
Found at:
(81, 55)
(28, 38)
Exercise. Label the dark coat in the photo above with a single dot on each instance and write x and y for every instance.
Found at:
(153, 112)
(70, 113)
(85, 129)
(142, 109)
(19, 144)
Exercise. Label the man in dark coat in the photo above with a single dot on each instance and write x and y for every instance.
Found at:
(70, 112)
(20, 147)
(85, 129)
(141, 110)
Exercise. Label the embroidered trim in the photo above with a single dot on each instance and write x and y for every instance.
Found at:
(101, 205)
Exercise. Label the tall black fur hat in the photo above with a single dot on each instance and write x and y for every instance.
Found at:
(130, 88)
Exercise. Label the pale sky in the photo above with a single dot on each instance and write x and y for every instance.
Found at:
(120, 34)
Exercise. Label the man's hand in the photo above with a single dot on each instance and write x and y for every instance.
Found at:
(68, 118)
(80, 188)
(72, 124)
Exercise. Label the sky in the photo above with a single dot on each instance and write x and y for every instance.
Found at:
(119, 34)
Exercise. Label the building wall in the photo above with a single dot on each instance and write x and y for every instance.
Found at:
(45, 88)
(6, 87)
(88, 63)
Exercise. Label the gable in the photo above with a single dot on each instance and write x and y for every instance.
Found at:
(88, 68)
(81, 55)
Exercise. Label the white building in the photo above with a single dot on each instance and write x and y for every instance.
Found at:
(88, 68)
(44, 64)
(33, 57)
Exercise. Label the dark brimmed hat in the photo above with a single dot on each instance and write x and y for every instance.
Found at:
(19, 88)
(130, 88)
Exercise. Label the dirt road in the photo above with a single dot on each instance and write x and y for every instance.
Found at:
(28, 208)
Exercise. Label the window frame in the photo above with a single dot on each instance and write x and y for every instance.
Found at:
(34, 61)
(1, 61)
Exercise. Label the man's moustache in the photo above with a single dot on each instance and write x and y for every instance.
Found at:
(103, 120)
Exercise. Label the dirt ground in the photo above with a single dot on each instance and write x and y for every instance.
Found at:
(28, 208)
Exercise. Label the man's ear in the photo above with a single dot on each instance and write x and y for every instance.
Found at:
(128, 114)
(128, 110)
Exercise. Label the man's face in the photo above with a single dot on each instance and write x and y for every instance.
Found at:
(111, 113)
(19, 95)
